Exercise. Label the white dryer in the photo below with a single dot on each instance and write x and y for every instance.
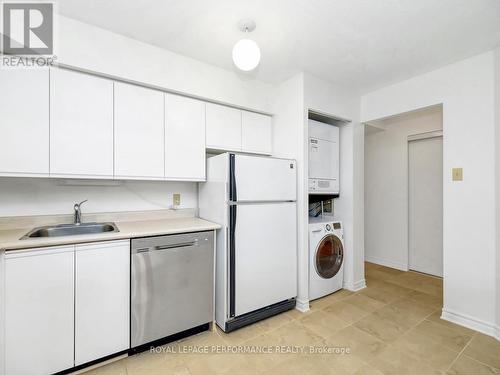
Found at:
(323, 158)
(326, 256)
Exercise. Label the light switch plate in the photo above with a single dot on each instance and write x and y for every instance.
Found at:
(176, 201)
(457, 174)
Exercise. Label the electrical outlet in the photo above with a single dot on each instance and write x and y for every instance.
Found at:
(457, 174)
(176, 199)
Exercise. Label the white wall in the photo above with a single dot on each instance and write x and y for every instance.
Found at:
(497, 185)
(340, 102)
(89, 47)
(386, 185)
(288, 142)
(466, 91)
(291, 102)
(39, 196)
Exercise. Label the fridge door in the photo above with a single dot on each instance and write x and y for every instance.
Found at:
(263, 268)
(257, 179)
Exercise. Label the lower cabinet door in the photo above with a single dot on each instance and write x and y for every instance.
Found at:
(102, 300)
(39, 310)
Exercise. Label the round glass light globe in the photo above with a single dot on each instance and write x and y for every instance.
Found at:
(246, 54)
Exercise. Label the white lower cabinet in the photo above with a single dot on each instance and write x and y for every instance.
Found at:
(66, 306)
(102, 300)
(39, 310)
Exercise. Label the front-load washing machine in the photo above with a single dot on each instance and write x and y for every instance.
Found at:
(326, 256)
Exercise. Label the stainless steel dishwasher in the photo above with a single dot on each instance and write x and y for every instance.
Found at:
(172, 285)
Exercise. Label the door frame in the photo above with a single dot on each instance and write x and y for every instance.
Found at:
(411, 138)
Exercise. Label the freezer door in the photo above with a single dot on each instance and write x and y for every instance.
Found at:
(263, 179)
(265, 256)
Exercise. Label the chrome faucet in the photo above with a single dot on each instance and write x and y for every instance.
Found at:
(78, 212)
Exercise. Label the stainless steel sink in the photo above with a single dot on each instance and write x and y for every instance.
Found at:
(70, 230)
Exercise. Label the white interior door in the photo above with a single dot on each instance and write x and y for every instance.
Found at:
(425, 189)
(265, 255)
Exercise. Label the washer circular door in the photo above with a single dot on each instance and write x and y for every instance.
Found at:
(329, 256)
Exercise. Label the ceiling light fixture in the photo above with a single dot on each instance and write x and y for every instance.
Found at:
(246, 53)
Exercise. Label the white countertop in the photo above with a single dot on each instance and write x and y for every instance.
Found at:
(10, 238)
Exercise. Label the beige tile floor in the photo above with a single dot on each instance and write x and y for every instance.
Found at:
(391, 327)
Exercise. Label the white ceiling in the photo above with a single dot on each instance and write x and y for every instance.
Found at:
(359, 43)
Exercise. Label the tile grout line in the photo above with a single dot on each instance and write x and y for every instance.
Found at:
(478, 361)
(459, 354)
(435, 341)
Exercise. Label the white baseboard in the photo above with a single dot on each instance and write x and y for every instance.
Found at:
(302, 306)
(472, 323)
(387, 263)
(355, 286)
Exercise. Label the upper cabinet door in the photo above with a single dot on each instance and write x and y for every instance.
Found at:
(102, 300)
(256, 133)
(24, 124)
(139, 133)
(39, 310)
(184, 138)
(81, 125)
(223, 128)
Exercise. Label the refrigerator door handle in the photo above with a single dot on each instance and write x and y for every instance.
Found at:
(232, 263)
(232, 178)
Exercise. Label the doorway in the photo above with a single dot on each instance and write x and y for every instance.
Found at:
(425, 203)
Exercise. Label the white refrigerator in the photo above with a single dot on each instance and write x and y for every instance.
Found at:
(253, 198)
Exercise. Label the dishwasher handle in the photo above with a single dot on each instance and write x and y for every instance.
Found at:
(176, 245)
(166, 247)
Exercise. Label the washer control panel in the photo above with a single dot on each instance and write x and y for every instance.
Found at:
(333, 226)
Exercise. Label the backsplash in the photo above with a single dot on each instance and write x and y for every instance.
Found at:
(40, 196)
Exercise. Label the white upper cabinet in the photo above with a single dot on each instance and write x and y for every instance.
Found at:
(230, 129)
(24, 121)
(81, 125)
(102, 300)
(39, 310)
(223, 128)
(139, 132)
(256, 133)
(184, 138)
(63, 123)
